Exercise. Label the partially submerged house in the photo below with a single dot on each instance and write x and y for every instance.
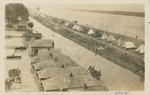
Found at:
(101, 87)
(34, 45)
(48, 58)
(28, 36)
(54, 71)
(43, 55)
(66, 82)
(37, 35)
(20, 27)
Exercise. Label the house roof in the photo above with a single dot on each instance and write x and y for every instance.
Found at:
(14, 73)
(51, 63)
(27, 35)
(60, 56)
(53, 71)
(66, 82)
(41, 43)
(37, 34)
(44, 64)
(44, 55)
(41, 57)
(92, 88)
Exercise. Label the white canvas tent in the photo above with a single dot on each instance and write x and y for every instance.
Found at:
(104, 36)
(119, 42)
(140, 49)
(129, 45)
(74, 27)
(91, 31)
(111, 38)
(79, 28)
(67, 24)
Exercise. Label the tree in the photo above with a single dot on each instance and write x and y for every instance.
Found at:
(13, 11)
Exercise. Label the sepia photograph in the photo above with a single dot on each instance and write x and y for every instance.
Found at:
(67, 47)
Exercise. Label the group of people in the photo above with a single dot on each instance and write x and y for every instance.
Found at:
(95, 73)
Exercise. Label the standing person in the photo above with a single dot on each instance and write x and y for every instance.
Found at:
(89, 68)
(92, 70)
(96, 51)
(99, 75)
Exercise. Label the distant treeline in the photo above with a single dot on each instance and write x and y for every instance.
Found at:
(139, 14)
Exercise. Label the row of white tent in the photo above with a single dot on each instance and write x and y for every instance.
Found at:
(77, 27)
(104, 36)
(110, 38)
(125, 45)
(119, 42)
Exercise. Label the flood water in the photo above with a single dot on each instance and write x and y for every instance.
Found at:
(131, 26)
(23, 64)
(113, 76)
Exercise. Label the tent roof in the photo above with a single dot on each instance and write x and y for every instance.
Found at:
(74, 27)
(119, 42)
(129, 45)
(91, 31)
(111, 38)
(140, 49)
(66, 82)
(67, 23)
(104, 36)
(78, 27)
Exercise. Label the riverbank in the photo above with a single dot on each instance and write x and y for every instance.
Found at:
(126, 59)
